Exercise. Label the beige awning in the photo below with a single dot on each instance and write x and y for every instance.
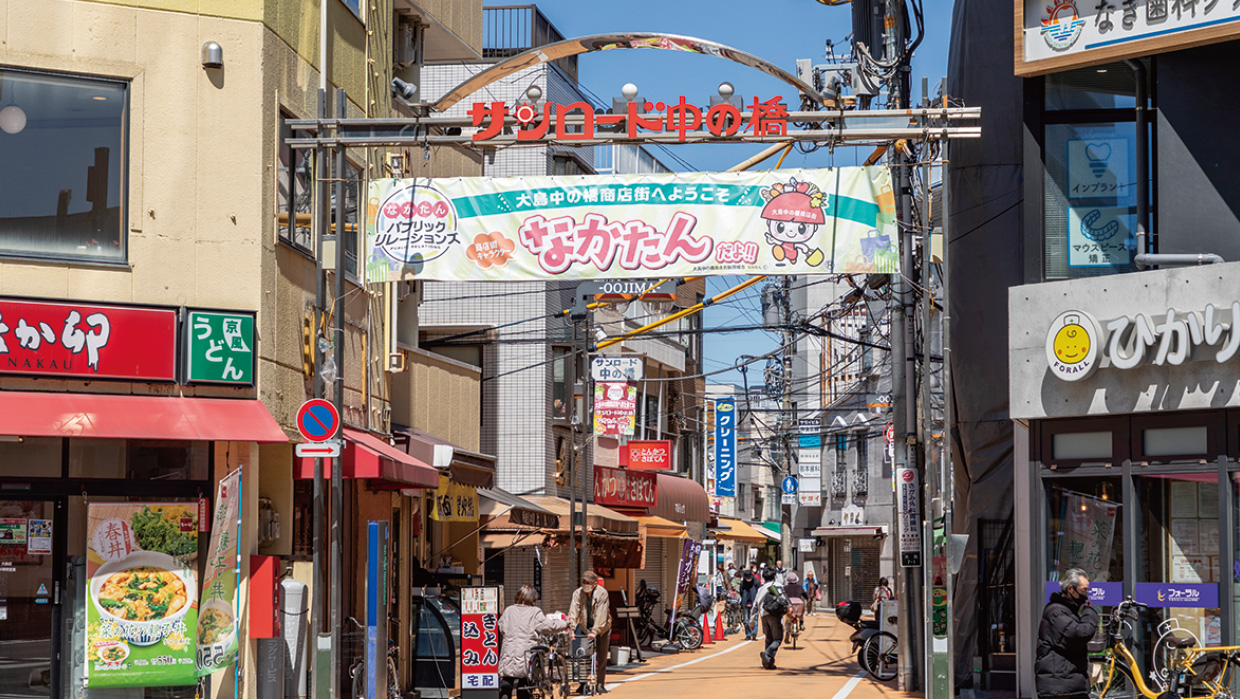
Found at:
(661, 527)
(738, 531)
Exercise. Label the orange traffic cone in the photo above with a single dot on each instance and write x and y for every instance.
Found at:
(706, 636)
(719, 632)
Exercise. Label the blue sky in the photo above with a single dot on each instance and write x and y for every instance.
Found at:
(779, 31)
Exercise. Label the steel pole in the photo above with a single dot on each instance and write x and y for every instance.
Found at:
(318, 223)
(338, 320)
(786, 416)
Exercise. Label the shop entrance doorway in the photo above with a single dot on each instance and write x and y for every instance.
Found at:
(29, 592)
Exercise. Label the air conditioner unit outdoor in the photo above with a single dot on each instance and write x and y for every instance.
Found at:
(405, 49)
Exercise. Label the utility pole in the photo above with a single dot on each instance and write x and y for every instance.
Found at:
(904, 373)
(787, 415)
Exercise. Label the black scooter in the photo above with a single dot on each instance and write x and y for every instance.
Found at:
(849, 612)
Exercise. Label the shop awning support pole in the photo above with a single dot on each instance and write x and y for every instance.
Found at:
(338, 321)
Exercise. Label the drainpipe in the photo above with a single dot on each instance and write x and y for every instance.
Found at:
(1145, 259)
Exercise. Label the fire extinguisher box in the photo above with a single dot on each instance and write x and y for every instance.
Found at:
(264, 597)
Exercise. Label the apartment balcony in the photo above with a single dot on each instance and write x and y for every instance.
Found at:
(511, 29)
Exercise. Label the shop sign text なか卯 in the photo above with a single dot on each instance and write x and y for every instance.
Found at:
(631, 226)
(95, 341)
(1076, 343)
(1055, 29)
(763, 118)
(621, 487)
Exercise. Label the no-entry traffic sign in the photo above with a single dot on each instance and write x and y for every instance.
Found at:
(317, 420)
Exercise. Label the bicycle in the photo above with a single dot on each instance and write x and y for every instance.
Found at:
(357, 670)
(733, 613)
(547, 667)
(794, 620)
(686, 631)
(1189, 672)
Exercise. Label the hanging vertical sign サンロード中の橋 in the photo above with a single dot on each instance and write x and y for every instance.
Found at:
(632, 226)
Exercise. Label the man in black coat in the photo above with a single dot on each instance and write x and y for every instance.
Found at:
(1068, 623)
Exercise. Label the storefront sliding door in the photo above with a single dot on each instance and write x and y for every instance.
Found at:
(1162, 534)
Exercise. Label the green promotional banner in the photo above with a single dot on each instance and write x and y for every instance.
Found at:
(217, 617)
(141, 609)
(781, 222)
(219, 347)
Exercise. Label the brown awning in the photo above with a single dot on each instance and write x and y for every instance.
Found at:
(597, 516)
(680, 499)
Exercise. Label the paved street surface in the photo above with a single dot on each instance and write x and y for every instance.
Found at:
(822, 666)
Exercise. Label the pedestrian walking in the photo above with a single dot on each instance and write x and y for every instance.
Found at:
(590, 612)
(781, 573)
(718, 582)
(812, 593)
(749, 591)
(770, 605)
(520, 629)
(796, 604)
(1069, 621)
(881, 592)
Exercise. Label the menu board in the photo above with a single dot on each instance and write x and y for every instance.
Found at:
(480, 638)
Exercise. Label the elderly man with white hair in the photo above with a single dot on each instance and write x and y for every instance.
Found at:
(1068, 623)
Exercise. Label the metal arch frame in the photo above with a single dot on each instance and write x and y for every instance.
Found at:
(619, 40)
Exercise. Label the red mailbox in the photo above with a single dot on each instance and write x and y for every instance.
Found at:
(264, 597)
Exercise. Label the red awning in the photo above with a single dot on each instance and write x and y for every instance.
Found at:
(44, 414)
(368, 457)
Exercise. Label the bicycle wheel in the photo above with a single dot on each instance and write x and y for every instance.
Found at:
(558, 677)
(536, 676)
(689, 634)
(393, 679)
(645, 635)
(880, 656)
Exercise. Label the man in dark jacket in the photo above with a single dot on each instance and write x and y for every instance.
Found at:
(749, 591)
(1068, 623)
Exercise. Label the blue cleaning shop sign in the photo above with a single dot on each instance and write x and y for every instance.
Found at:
(725, 447)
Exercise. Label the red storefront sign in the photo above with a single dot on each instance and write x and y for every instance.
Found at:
(87, 340)
(480, 638)
(763, 118)
(625, 488)
(647, 455)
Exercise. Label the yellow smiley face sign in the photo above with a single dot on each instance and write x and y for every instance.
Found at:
(1072, 345)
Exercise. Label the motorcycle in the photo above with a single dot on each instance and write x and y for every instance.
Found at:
(849, 612)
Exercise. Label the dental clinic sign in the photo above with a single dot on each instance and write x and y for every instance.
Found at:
(1053, 35)
(1077, 343)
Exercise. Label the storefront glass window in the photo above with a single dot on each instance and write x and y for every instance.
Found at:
(1178, 558)
(1086, 532)
(138, 459)
(1090, 199)
(1081, 445)
(31, 457)
(1162, 442)
(65, 140)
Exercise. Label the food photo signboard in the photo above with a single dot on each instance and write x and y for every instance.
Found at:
(141, 586)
